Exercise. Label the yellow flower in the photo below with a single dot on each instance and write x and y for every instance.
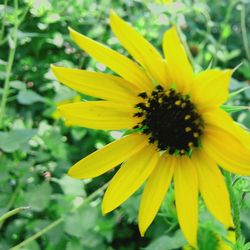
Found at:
(56, 114)
(163, 1)
(178, 129)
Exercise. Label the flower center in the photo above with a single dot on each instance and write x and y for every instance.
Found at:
(171, 120)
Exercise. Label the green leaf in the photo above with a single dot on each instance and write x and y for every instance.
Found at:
(226, 32)
(105, 227)
(74, 244)
(166, 242)
(235, 93)
(207, 239)
(16, 139)
(64, 93)
(18, 85)
(231, 108)
(28, 97)
(71, 186)
(55, 143)
(81, 221)
(39, 197)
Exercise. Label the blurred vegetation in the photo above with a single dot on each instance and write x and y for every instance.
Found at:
(37, 148)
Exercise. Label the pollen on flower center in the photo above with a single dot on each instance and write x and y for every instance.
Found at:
(170, 119)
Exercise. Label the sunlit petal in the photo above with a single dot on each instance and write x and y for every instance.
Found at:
(139, 48)
(178, 65)
(227, 150)
(99, 115)
(115, 61)
(211, 88)
(129, 178)
(107, 157)
(213, 188)
(186, 196)
(99, 85)
(154, 192)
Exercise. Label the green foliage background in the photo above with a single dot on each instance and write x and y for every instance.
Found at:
(36, 150)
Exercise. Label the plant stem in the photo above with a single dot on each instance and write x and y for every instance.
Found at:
(224, 23)
(14, 196)
(185, 45)
(9, 66)
(244, 31)
(12, 200)
(60, 220)
(234, 204)
(3, 22)
(11, 58)
(12, 212)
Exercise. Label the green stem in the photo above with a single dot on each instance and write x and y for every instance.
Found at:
(186, 47)
(244, 31)
(11, 213)
(9, 67)
(11, 58)
(224, 23)
(60, 220)
(235, 205)
(3, 22)
(13, 196)
(183, 40)
(12, 200)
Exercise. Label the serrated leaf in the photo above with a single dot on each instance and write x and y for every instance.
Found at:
(38, 198)
(16, 139)
(71, 186)
(166, 242)
(81, 221)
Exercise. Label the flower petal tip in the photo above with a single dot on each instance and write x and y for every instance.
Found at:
(70, 29)
(71, 173)
(113, 16)
(74, 172)
(112, 13)
(172, 31)
(72, 32)
(105, 210)
(54, 69)
(142, 232)
(60, 108)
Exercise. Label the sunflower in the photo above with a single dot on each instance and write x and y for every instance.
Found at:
(175, 127)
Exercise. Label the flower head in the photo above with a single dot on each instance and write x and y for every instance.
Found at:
(178, 130)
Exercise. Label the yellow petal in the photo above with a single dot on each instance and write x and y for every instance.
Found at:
(213, 188)
(186, 197)
(129, 178)
(210, 88)
(178, 66)
(100, 85)
(154, 192)
(139, 48)
(115, 61)
(227, 150)
(107, 157)
(219, 118)
(99, 115)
